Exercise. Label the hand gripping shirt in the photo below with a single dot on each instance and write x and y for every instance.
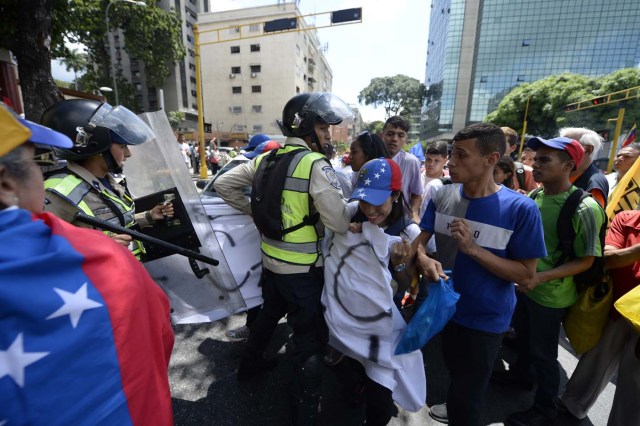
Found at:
(507, 224)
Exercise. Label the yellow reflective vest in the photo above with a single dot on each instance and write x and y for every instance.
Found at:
(300, 246)
(74, 189)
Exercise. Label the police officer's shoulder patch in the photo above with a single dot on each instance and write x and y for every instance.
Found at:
(331, 176)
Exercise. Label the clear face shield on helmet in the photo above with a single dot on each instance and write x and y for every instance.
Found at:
(329, 108)
(128, 127)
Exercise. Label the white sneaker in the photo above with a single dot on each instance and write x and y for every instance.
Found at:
(238, 334)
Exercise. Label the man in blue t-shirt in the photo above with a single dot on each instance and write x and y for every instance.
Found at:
(490, 237)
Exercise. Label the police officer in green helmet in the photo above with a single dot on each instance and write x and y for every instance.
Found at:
(295, 195)
(102, 135)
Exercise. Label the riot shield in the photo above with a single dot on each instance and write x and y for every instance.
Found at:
(198, 292)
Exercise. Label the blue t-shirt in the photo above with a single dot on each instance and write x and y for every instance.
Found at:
(507, 224)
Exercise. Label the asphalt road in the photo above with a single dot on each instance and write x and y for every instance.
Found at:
(206, 392)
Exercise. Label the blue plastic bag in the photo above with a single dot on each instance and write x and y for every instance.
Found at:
(433, 315)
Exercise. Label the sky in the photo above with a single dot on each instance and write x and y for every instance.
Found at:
(391, 40)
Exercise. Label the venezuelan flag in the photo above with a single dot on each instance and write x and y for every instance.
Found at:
(631, 137)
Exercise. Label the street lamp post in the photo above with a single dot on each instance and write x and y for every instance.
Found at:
(112, 52)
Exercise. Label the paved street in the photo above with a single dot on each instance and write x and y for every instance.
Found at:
(205, 390)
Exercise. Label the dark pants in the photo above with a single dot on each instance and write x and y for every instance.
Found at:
(469, 356)
(298, 297)
(538, 331)
(378, 400)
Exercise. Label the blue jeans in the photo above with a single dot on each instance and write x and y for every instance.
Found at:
(538, 330)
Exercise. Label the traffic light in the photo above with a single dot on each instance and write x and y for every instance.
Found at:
(283, 24)
(599, 101)
(571, 107)
(346, 15)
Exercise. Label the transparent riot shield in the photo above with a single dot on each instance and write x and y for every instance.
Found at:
(198, 292)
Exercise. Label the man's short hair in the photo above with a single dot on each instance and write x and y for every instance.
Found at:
(397, 121)
(438, 148)
(489, 137)
(510, 135)
(585, 137)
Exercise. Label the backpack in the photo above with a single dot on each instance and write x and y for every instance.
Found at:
(266, 195)
(566, 234)
(519, 173)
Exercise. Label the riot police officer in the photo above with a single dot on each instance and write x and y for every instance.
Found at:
(102, 135)
(295, 194)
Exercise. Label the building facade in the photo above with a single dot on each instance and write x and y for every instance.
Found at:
(248, 75)
(179, 90)
(478, 50)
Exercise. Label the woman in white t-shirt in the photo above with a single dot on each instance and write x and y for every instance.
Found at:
(363, 320)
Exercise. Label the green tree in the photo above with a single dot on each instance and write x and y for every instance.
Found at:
(374, 126)
(76, 61)
(548, 97)
(26, 30)
(175, 118)
(36, 30)
(398, 95)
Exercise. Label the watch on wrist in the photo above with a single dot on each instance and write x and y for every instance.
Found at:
(400, 267)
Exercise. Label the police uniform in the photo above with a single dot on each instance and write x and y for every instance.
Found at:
(77, 185)
(292, 282)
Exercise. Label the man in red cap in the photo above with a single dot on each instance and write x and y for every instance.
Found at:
(544, 298)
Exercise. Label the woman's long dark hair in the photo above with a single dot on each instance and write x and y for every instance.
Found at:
(373, 146)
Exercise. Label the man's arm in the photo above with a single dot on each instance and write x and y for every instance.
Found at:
(620, 257)
(230, 186)
(415, 202)
(570, 268)
(325, 191)
(519, 270)
(428, 267)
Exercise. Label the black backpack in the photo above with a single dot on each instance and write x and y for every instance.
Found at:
(266, 195)
(566, 234)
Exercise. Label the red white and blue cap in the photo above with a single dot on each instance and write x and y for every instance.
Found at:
(15, 131)
(256, 140)
(262, 148)
(377, 179)
(571, 146)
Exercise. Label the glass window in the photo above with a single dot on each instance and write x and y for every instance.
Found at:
(256, 108)
(255, 47)
(256, 68)
(254, 28)
(256, 89)
(236, 89)
(235, 70)
(235, 49)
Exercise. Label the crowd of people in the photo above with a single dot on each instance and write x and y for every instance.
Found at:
(346, 256)
(471, 208)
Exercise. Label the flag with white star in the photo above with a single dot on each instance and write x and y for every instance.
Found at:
(84, 332)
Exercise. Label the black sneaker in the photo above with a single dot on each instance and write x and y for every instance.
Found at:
(439, 413)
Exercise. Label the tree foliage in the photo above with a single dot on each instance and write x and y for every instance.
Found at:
(548, 97)
(175, 119)
(374, 127)
(36, 30)
(398, 95)
(76, 62)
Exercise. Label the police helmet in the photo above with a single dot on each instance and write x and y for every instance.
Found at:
(93, 126)
(302, 111)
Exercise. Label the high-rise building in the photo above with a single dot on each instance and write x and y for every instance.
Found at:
(248, 74)
(179, 90)
(478, 50)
